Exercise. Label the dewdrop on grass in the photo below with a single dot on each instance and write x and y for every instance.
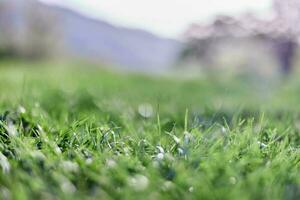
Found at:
(168, 185)
(5, 193)
(232, 180)
(146, 110)
(176, 139)
(89, 161)
(223, 130)
(188, 138)
(41, 130)
(67, 187)
(161, 153)
(110, 163)
(138, 182)
(160, 156)
(11, 129)
(160, 149)
(181, 152)
(4, 164)
(191, 189)
(70, 166)
(262, 145)
(21, 110)
(38, 155)
(57, 150)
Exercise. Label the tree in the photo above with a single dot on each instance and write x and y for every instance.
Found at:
(28, 28)
(6, 43)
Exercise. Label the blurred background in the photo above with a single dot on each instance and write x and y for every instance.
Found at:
(195, 98)
(256, 37)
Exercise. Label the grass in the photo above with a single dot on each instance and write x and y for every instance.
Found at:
(75, 133)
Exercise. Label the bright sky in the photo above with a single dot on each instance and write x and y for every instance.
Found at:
(164, 17)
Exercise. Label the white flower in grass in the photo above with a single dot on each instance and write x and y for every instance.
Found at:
(138, 182)
(146, 110)
(4, 164)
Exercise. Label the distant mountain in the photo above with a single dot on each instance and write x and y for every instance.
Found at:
(95, 39)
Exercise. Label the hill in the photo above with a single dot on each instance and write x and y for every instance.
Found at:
(31, 25)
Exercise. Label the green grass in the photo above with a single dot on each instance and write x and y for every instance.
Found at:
(77, 132)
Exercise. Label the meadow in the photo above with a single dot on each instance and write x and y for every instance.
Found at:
(72, 131)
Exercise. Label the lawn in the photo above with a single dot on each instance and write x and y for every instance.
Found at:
(74, 131)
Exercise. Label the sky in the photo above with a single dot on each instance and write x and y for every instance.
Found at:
(168, 18)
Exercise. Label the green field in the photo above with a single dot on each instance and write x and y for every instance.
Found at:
(73, 131)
